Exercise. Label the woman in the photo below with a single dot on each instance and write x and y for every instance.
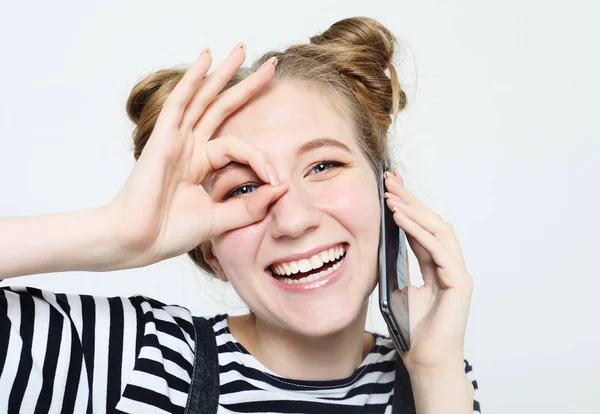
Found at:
(267, 178)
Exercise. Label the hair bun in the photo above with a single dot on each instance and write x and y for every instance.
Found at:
(362, 34)
(362, 50)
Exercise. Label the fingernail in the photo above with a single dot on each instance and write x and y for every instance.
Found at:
(206, 51)
(394, 198)
(387, 174)
(241, 45)
(270, 171)
(273, 61)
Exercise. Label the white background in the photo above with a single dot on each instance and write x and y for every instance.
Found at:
(500, 139)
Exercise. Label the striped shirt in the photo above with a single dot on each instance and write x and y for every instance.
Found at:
(62, 353)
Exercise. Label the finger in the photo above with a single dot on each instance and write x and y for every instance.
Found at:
(223, 150)
(447, 239)
(183, 92)
(425, 261)
(211, 86)
(395, 186)
(433, 223)
(448, 265)
(428, 219)
(243, 211)
(422, 214)
(232, 99)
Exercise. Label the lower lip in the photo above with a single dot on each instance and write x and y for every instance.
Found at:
(315, 284)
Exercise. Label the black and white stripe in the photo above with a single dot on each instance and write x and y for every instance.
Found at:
(79, 353)
(64, 353)
(249, 386)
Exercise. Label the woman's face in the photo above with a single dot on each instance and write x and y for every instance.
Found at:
(332, 203)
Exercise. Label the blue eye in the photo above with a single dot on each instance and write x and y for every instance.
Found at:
(242, 190)
(322, 166)
(247, 188)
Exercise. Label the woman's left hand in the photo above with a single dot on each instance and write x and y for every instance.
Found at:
(438, 310)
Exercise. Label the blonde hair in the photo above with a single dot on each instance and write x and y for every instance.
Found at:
(351, 60)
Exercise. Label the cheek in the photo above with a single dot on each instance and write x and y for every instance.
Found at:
(237, 249)
(353, 200)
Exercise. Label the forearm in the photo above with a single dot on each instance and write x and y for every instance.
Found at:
(78, 240)
(447, 391)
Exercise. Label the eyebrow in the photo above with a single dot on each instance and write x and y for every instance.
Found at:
(306, 147)
(321, 142)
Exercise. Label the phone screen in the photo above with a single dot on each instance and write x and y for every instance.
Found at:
(393, 276)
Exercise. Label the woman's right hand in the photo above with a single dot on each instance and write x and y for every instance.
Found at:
(162, 211)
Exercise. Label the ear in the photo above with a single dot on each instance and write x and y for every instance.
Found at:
(212, 260)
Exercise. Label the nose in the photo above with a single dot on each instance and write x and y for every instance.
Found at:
(294, 214)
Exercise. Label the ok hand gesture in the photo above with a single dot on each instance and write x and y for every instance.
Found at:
(162, 210)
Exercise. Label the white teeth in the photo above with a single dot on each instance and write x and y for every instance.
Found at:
(331, 255)
(316, 262)
(306, 265)
(313, 277)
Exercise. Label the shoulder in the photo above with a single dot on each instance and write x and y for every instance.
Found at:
(116, 346)
(14, 298)
(218, 322)
(88, 316)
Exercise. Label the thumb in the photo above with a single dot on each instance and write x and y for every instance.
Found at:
(242, 211)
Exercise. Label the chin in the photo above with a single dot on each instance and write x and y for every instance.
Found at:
(321, 321)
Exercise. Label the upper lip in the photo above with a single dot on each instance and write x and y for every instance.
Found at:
(305, 255)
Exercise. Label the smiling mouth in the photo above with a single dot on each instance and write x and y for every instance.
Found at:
(309, 270)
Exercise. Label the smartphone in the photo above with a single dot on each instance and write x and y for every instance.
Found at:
(393, 274)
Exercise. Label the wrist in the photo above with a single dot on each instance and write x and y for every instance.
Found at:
(116, 250)
(442, 389)
(450, 364)
(107, 252)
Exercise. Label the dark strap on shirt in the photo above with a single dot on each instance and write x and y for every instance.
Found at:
(404, 401)
(204, 389)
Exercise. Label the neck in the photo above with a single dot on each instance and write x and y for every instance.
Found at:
(304, 358)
